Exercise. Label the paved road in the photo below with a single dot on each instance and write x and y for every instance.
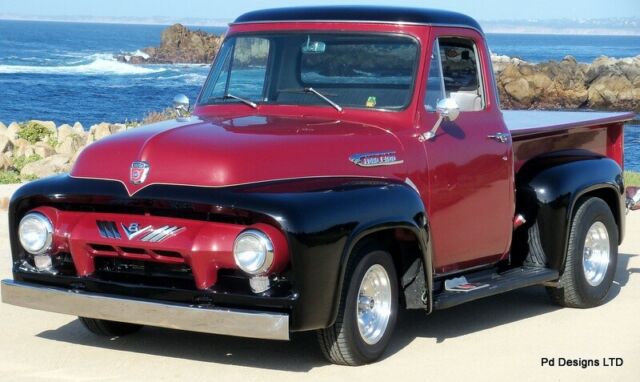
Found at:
(500, 338)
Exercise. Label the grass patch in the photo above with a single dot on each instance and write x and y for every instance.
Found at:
(12, 175)
(9, 177)
(34, 132)
(632, 178)
(20, 162)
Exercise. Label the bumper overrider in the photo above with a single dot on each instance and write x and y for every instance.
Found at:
(234, 322)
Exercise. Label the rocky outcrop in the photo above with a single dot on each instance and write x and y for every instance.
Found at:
(49, 153)
(605, 84)
(178, 45)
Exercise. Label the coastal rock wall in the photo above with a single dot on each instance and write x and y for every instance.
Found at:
(35, 149)
(605, 84)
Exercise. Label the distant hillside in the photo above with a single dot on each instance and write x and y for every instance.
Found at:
(606, 26)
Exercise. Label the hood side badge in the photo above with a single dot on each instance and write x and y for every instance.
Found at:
(139, 172)
(375, 159)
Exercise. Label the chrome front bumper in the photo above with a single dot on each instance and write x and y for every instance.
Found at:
(232, 322)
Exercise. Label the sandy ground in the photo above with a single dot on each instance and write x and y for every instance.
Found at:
(499, 338)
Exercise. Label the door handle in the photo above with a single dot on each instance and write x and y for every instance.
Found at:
(500, 137)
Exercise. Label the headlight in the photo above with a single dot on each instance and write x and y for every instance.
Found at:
(253, 251)
(36, 233)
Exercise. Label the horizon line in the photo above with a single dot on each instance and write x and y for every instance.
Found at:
(224, 23)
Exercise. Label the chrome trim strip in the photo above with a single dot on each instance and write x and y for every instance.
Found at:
(399, 23)
(232, 322)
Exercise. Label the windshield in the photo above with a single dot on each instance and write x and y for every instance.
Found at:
(366, 70)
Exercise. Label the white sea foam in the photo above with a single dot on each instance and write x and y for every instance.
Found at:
(187, 78)
(139, 53)
(100, 64)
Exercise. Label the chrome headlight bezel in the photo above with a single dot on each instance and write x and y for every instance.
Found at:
(260, 261)
(44, 224)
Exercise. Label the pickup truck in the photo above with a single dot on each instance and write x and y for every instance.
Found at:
(340, 164)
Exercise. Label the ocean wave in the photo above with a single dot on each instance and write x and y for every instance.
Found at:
(187, 78)
(100, 64)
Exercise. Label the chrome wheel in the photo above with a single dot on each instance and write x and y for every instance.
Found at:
(374, 304)
(596, 254)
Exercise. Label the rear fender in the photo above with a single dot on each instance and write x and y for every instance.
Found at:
(550, 187)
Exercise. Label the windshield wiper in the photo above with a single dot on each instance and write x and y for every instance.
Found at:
(314, 91)
(243, 100)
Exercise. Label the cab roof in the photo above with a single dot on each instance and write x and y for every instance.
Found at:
(362, 14)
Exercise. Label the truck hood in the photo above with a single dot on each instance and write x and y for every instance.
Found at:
(219, 152)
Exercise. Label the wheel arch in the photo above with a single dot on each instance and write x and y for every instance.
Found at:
(416, 239)
(549, 189)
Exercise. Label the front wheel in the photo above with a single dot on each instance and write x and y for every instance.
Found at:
(367, 313)
(591, 258)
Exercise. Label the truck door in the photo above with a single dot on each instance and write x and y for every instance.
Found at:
(470, 203)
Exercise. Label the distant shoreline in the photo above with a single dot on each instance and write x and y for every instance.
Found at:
(503, 29)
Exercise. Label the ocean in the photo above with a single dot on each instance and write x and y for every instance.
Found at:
(67, 72)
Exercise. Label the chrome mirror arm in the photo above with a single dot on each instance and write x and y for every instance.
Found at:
(447, 109)
(429, 135)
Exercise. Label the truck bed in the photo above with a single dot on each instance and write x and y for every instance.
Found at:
(541, 132)
(528, 122)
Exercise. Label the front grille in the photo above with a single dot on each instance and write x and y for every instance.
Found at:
(142, 272)
(108, 229)
(136, 253)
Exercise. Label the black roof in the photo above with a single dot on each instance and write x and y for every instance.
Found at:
(361, 13)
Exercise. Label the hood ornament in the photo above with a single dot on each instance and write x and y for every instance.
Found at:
(375, 159)
(139, 172)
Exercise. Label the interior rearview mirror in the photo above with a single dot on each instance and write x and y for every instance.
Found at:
(313, 47)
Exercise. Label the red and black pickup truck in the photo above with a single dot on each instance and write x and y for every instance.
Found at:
(340, 164)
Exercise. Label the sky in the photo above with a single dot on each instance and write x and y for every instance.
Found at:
(227, 10)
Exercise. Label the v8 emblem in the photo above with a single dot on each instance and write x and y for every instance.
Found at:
(134, 230)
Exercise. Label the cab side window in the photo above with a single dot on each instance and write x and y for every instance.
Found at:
(457, 67)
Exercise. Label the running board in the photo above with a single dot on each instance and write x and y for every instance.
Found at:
(497, 283)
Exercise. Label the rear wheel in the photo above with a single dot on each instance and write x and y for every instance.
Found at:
(109, 328)
(592, 256)
(367, 312)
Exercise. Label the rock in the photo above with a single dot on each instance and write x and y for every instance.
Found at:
(501, 62)
(21, 147)
(64, 131)
(46, 167)
(519, 89)
(3, 128)
(12, 132)
(100, 131)
(75, 156)
(5, 143)
(178, 45)
(5, 162)
(117, 128)
(43, 149)
(78, 128)
(72, 143)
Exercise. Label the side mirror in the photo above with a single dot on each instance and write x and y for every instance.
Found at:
(447, 110)
(181, 105)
